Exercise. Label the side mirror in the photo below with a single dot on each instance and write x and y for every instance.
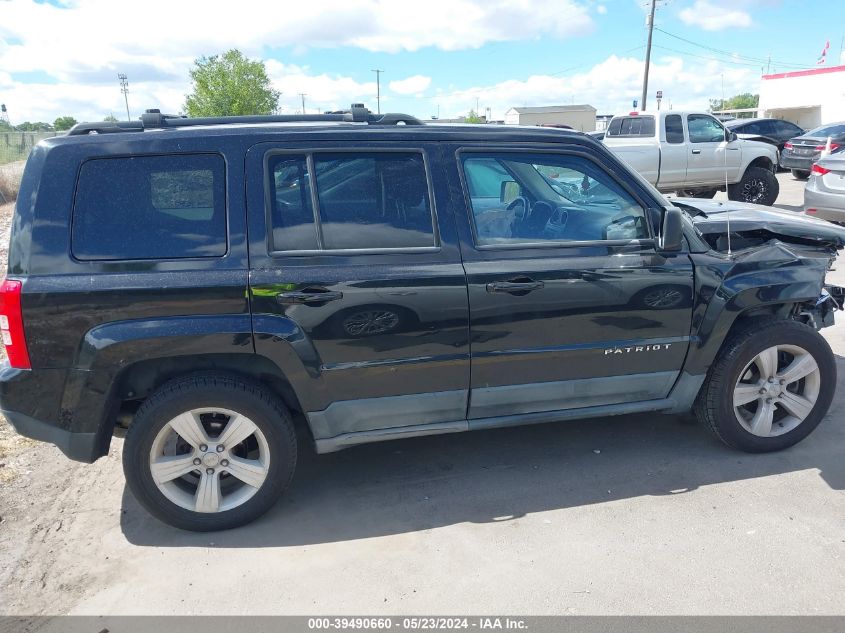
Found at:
(508, 191)
(671, 236)
(730, 136)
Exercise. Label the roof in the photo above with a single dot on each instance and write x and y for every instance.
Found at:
(327, 131)
(805, 73)
(550, 109)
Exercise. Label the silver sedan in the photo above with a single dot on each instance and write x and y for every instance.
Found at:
(824, 195)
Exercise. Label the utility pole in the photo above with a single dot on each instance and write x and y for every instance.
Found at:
(302, 96)
(124, 88)
(648, 55)
(378, 73)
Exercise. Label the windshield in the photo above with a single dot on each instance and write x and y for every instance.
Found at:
(836, 129)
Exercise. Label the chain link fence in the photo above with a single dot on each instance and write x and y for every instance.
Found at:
(15, 146)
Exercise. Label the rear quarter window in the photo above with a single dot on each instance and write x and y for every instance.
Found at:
(150, 207)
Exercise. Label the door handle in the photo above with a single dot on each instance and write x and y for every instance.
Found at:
(696, 151)
(514, 287)
(308, 295)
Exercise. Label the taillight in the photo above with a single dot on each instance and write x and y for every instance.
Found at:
(818, 169)
(787, 145)
(811, 211)
(11, 324)
(821, 148)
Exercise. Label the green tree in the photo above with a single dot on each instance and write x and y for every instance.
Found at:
(38, 126)
(64, 123)
(110, 118)
(473, 117)
(737, 102)
(229, 85)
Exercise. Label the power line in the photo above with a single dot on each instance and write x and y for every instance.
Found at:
(756, 60)
(707, 57)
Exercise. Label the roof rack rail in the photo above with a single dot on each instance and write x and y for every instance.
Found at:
(155, 120)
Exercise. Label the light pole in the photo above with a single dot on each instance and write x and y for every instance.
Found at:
(302, 96)
(378, 73)
(648, 55)
(124, 88)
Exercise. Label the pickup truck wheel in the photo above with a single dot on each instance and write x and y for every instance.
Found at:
(800, 174)
(758, 186)
(209, 452)
(769, 388)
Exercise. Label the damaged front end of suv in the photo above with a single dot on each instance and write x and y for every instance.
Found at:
(764, 259)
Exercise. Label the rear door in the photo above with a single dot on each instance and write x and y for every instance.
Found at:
(570, 304)
(355, 267)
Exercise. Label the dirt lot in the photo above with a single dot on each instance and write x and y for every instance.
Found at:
(639, 514)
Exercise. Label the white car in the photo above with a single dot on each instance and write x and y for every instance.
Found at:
(692, 153)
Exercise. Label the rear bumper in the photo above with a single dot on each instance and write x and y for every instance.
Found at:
(82, 447)
(828, 205)
(804, 163)
(48, 405)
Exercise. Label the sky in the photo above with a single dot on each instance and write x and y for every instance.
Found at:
(439, 57)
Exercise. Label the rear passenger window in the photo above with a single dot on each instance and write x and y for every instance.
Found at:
(150, 207)
(674, 129)
(366, 201)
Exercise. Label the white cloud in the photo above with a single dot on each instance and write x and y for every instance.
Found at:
(414, 84)
(713, 16)
(73, 52)
(610, 86)
(601, 9)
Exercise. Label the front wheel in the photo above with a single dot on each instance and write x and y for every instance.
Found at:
(758, 186)
(769, 388)
(697, 193)
(209, 452)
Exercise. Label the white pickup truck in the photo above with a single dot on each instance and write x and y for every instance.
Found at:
(692, 153)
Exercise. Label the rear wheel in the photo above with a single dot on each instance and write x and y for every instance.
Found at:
(770, 387)
(209, 452)
(800, 174)
(758, 186)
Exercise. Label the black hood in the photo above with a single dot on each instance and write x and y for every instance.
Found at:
(754, 221)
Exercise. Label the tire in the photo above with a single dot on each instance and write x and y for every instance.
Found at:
(800, 174)
(266, 457)
(737, 361)
(758, 186)
(693, 193)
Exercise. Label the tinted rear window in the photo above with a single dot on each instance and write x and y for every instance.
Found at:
(828, 130)
(632, 126)
(674, 129)
(368, 200)
(150, 207)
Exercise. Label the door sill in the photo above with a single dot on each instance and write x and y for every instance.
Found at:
(339, 442)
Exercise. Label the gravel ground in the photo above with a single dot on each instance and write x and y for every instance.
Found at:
(638, 514)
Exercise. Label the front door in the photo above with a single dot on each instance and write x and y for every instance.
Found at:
(711, 156)
(356, 275)
(570, 304)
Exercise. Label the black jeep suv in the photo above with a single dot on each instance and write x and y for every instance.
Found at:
(205, 284)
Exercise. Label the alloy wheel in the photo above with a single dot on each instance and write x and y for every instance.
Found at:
(209, 460)
(777, 390)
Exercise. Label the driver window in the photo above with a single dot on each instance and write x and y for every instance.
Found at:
(536, 198)
(704, 129)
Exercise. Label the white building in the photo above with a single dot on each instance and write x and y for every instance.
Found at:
(808, 98)
(579, 117)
